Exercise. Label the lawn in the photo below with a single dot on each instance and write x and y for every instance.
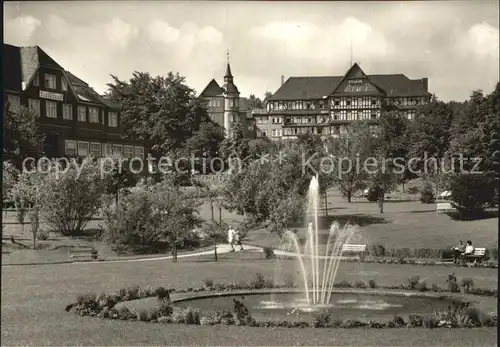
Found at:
(34, 297)
(404, 224)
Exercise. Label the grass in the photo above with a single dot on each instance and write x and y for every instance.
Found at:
(405, 224)
(34, 297)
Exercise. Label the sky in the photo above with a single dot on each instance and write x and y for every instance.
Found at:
(454, 44)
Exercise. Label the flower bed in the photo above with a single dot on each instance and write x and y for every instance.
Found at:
(459, 313)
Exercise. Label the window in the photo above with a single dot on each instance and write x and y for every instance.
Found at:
(34, 105)
(14, 103)
(82, 114)
(117, 150)
(128, 151)
(95, 149)
(103, 121)
(51, 109)
(106, 149)
(36, 80)
(93, 115)
(373, 116)
(139, 152)
(112, 119)
(64, 84)
(70, 148)
(67, 112)
(273, 133)
(83, 149)
(50, 81)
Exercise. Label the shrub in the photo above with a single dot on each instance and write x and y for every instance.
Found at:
(398, 321)
(258, 282)
(143, 315)
(413, 281)
(373, 194)
(208, 282)
(431, 321)
(189, 315)
(360, 284)
(372, 284)
(164, 309)
(471, 192)
(467, 284)
(269, 283)
(415, 321)
(289, 281)
(162, 294)
(376, 250)
(427, 195)
(242, 315)
(43, 235)
(131, 293)
(352, 323)
(124, 313)
(343, 284)
(145, 292)
(269, 252)
(422, 286)
(321, 318)
(451, 281)
(435, 288)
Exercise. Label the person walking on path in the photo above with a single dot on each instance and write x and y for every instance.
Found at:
(237, 239)
(230, 237)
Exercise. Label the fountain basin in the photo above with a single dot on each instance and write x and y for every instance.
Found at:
(291, 305)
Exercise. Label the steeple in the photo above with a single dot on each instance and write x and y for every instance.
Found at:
(229, 86)
(228, 76)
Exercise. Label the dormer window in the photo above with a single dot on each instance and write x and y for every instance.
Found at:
(50, 81)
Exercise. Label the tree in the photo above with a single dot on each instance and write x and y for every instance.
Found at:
(204, 144)
(119, 178)
(471, 192)
(72, 195)
(353, 147)
(22, 137)
(254, 102)
(267, 96)
(430, 137)
(29, 193)
(162, 110)
(235, 149)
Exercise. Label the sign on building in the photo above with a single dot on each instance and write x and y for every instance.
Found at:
(51, 96)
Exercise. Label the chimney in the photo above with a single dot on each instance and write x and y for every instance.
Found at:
(282, 79)
(425, 84)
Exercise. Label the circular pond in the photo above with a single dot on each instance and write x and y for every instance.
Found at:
(292, 306)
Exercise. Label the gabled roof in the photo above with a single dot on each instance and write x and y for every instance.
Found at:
(307, 88)
(86, 93)
(212, 89)
(304, 88)
(22, 63)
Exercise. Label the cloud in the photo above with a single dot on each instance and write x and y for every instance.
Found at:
(20, 30)
(480, 41)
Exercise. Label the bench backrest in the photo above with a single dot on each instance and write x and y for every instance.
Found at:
(85, 250)
(479, 251)
(353, 248)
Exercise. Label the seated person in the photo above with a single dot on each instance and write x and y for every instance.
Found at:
(469, 249)
(458, 249)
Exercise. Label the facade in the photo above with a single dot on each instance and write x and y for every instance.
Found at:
(75, 119)
(226, 107)
(327, 105)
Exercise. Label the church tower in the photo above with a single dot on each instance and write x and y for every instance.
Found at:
(231, 100)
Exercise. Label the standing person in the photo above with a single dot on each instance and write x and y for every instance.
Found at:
(237, 239)
(230, 237)
(458, 249)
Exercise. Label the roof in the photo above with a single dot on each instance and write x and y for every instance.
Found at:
(11, 72)
(318, 87)
(303, 88)
(212, 89)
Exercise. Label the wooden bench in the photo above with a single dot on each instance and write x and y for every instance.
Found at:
(445, 207)
(477, 256)
(83, 254)
(359, 249)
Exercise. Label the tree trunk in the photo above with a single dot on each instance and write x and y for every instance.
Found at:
(212, 210)
(215, 248)
(326, 203)
(403, 185)
(174, 252)
(381, 202)
(220, 215)
(116, 198)
(349, 195)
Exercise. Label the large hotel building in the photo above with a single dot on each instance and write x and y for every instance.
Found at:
(75, 119)
(327, 105)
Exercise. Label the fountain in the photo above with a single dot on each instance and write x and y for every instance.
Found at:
(318, 283)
